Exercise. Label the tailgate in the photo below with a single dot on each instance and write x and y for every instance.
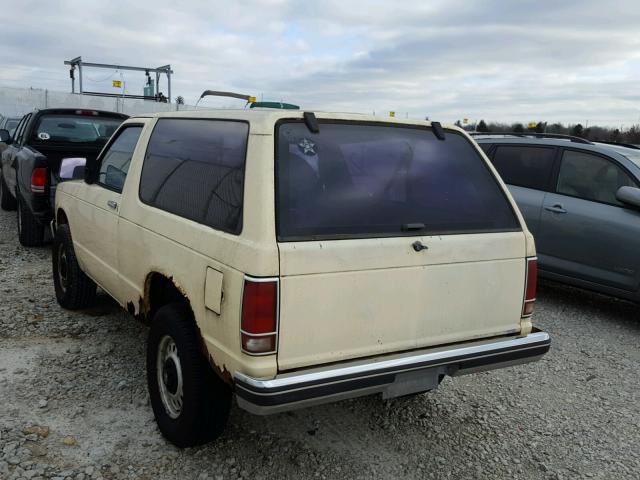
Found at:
(352, 200)
(343, 299)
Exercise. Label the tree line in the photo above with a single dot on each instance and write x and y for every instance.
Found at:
(595, 133)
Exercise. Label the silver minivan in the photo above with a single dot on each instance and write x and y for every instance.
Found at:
(581, 201)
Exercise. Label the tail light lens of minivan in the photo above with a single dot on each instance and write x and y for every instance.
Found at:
(38, 180)
(530, 287)
(259, 318)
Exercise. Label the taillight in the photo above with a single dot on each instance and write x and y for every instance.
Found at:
(38, 180)
(530, 287)
(259, 322)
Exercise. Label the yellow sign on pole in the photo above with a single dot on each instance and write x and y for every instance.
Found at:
(117, 84)
(392, 114)
(465, 121)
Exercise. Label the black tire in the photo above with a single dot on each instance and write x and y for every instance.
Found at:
(73, 288)
(202, 412)
(30, 231)
(7, 201)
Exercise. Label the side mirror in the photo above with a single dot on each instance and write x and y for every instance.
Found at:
(90, 172)
(72, 168)
(629, 196)
(5, 136)
(78, 172)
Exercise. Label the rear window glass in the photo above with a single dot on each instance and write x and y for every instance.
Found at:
(75, 129)
(360, 180)
(195, 169)
(525, 166)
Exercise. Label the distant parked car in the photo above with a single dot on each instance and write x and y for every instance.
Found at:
(31, 163)
(581, 201)
(9, 124)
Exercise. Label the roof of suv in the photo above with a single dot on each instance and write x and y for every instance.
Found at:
(629, 153)
(262, 120)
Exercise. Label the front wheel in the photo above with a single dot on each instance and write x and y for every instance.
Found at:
(190, 402)
(74, 289)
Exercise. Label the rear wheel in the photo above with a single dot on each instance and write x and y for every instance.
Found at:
(7, 201)
(30, 231)
(190, 402)
(73, 288)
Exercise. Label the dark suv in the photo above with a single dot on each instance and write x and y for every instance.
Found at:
(581, 201)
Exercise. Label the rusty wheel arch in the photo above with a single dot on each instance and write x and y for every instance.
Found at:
(160, 290)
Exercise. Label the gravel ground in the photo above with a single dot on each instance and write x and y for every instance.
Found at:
(74, 402)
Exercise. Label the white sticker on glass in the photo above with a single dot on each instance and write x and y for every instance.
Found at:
(307, 147)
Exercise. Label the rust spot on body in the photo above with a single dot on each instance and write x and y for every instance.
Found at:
(223, 373)
(140, 314)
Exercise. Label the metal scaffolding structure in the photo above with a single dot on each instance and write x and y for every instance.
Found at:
(166, 69)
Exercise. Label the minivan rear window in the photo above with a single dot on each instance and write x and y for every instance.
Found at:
(357, 180)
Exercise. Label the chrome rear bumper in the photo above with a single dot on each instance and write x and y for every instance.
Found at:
(393, 375)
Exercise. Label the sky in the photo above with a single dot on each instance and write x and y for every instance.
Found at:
(569, 61)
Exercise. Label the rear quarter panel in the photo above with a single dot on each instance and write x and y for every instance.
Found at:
(152, 240)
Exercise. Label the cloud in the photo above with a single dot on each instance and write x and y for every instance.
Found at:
(498, 60)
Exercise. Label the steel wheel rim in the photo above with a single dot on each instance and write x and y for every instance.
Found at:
(169, 371)
(63, 268)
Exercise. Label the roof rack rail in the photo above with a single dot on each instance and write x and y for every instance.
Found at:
(619, 144)
(535, 135)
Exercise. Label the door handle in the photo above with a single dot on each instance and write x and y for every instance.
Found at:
(557, 208)
(418, 246)
(112, 204)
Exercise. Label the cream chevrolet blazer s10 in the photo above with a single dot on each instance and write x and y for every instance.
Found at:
(297, 258)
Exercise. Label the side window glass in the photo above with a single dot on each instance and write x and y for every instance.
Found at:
(591, 177)
(195, 169)
(21, 128)
(116, 160)
(523, 166)
(16, 130)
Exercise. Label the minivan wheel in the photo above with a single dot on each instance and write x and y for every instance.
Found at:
(74, 289)
(7, 202)
(190, 402)
(30, 231)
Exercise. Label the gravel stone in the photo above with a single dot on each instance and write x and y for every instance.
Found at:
(574, 414)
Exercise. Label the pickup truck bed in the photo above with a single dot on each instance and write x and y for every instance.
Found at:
(31, 163)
